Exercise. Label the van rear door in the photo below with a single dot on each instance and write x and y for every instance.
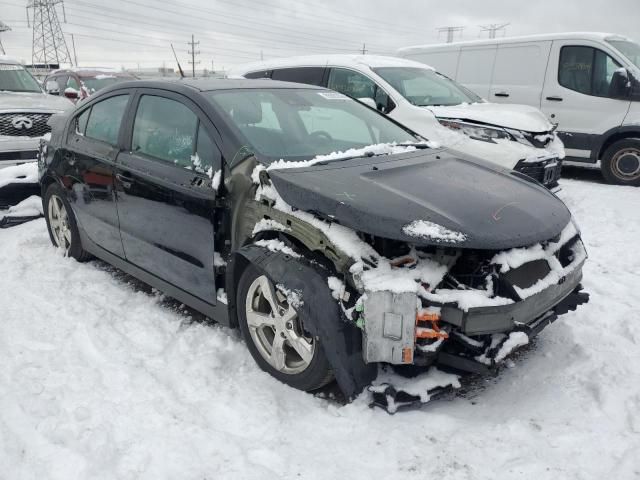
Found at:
(576, 95)
(519, 71)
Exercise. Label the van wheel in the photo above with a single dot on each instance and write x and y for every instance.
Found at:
(276, 337)
(621, 162)
(61, 223)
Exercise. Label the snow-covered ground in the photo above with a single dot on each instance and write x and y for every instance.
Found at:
(100, 380)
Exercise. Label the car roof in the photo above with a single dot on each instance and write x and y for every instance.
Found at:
(341, 60)
(595, 36)
(6, 60)
(211, 84)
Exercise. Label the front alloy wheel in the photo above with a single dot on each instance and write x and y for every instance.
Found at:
(275, 334)
(276, 330)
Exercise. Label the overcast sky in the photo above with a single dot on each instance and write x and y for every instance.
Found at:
(134, 33)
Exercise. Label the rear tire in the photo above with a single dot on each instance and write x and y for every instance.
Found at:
(61, 224)
(621, 162)
(275, 335)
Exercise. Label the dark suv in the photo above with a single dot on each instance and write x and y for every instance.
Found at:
(335, 238)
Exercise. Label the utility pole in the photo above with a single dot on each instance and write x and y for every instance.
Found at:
(493, 28)
(75, 55)
(364, 49)
(450, 31)
(193, 54)
(3, 28)
(49, 45)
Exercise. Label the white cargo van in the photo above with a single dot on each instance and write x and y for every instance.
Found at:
(587, 83)
(517, 137)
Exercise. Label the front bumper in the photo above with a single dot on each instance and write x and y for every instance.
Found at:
(18, 150)
(547, 172)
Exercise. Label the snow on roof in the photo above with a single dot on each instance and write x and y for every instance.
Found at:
(9, 60)
(344, 60)
(596, 36)
(87, 69)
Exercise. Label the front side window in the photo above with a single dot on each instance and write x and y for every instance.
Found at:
(105, 119)
(165, 129)
(14, 78)
(424, 87)
(310, 122)
(358, 86)
(587, 70)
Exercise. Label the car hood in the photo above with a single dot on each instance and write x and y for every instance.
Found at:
(384, 195)
(32, 102)
(518, 117)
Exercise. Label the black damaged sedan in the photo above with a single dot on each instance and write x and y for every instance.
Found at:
(334, 238)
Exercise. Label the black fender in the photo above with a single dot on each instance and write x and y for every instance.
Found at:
(341, 339)
(610, 136)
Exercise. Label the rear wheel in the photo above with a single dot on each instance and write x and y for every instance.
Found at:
(621, 162)
(276, 336)
(61, 223)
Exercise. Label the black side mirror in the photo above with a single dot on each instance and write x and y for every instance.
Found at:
(620, 86)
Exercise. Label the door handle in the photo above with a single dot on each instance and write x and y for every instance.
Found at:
(124, 179)
(554, 99)
(501, 94)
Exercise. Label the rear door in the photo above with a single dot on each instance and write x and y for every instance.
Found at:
(576, 95)
(166, 202)
(88, 169)
(519, 73)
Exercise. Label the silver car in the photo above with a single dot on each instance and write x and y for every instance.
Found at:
(24, 112)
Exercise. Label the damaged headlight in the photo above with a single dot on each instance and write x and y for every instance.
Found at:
(483, 133)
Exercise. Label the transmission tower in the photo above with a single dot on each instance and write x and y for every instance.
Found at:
(193, 54)
(493, 28)
(3, 28)
(49, 45)
(450, 31)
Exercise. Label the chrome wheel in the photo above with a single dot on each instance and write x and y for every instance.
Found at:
(276, 330)
(59, 223)
(625, 164)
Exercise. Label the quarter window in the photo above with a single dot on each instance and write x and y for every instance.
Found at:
(586, 70)
(165, 129)
(105, 119)
(81, 121)
(358, 86)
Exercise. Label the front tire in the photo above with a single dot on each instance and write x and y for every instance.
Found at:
(621, 162)
(61, 224)
(275, 335)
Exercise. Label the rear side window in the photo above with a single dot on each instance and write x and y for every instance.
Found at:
(586, 70)
(259, 74)
(105, 119)
(165, 129)
(306, 75)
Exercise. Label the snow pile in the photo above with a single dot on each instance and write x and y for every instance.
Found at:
(29, 207)
(432, 231)
(25, 173)
(266, 224)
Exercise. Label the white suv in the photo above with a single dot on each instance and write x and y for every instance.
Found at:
(516, 137)
(24, 112)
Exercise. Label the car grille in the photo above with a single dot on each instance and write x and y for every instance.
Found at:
(24, 124)
(546, 172)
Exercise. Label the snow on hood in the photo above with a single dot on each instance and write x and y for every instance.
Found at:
(518, 117)
(33, 101)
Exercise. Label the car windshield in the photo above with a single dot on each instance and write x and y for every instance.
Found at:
(300, 124)
(93, 84)
(426, 88)
(631, 50)
(14, 78)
